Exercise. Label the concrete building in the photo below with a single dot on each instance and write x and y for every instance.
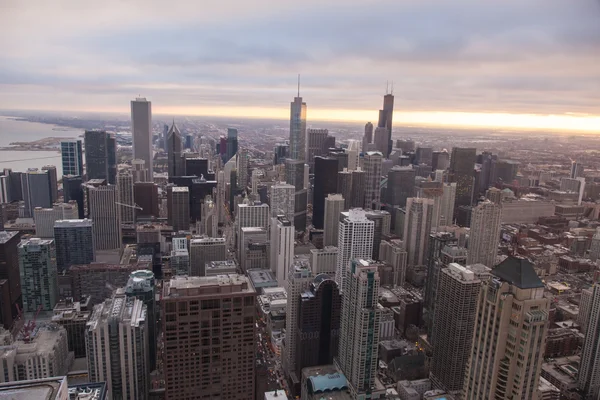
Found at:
(125, 197)
(380, 140)
(72, 157)
(242, 165)
(334, 205)
(282, 248)
(100, 156)
(253, 242)
(589, 369)
(417, 226)
(46, 217)
(525, 210)
(282, 196)
(180, 262)
(400, 186)
(224, 334)
(104, 212)
(510, 332)
(178, 205)
(145, 195)
(73, 316)
(53, 388)
(324, 261)
(393, 253)
(74, 240)
(372, 167)
(359, 328)
(576, 170)
(117, 347)
(141, 133)
(359, 181)
(37, 265)
(250, 216)
(355, 240)
(484, 235)
(205, 250)
(456, 311)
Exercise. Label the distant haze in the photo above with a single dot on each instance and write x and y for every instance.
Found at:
(508, 63)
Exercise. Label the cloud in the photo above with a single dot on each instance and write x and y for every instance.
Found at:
(539, 56)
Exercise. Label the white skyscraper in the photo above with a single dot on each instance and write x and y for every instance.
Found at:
(447, 206)
(372, 165)
(589, 367)
(334, 205)
(484, 234)
(359, 328)
(282, 248)
(282, 200)
(104, 212)
(355, 240)
(141, 132)
(417, 227)
(250, 216)
(125, 197)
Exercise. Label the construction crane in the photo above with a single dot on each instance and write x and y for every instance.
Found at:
(28, 327)
(129, 205)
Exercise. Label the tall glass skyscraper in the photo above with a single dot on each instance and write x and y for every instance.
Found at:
(100, 156)
(72, 157)
(141, 132)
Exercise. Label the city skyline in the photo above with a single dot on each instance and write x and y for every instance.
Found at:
(482, 71)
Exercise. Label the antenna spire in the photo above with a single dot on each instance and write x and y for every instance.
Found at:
(392, 92)
(387, 86)
(298, 85)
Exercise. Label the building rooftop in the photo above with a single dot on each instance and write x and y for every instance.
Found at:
(73, 223)
(46, 389)
(180, 189)
(519, 272)
(206, 285)
(7, 236)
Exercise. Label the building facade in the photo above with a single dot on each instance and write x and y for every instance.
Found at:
(37, 265)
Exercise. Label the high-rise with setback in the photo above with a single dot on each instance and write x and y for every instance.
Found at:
(316, 145)
(355, 240)
(372, 166)
(294, 165)
(141, 132)
(282, 248)
(385, 119)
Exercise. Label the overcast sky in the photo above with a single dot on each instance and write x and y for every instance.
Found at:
(473, 56)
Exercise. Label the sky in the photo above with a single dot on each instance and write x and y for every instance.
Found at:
(505, 63)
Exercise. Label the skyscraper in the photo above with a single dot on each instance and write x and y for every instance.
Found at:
(141, 132)
(294, 175)
(381, 228)
(455, 319)
(355, 240)
(104, 212)
(37, 264)
(509, 335)
(125, 197)
(37, 190)
(462, 164)
(576, 170)
(46, 217)
(484, 236)
(178, 205)
(139, 170)
(9, 273)
(381, 139)
(205, 250)
(145, 195)
(282, 196)
(400, 186)
(298, 129)
(385, 118)
(344, 185)
(325, 183)
(72, 190)
(282, 248)
(359, 328)
(440, 160)
(251, 216)
(117, 346)
(372, 167)
(359, 181)
(334, 205)
(231, 148)
(417, 226)
(447, 204)
(242, 165)
(224, 336)
(176, 166)
(72, 157)
(53, 178)
(74, 241)
(316, 145)
(589, 369)
(368, 137)
(294, 165)
(100, 156)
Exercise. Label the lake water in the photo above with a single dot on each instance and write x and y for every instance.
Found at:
(24, 131)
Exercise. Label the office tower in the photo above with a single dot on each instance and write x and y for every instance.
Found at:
(382, 221)
(231, 147)
(141, 133)
(282, 248)
(417, 226)
(280, 153)
(251, 216)
(393, 253)
(100, 156)
(485, 233)
(299, 280)
(210, 221)
(325, 184)
(440, 160)
(117, 346)
(509, 335)
(180, 262)
(139, 171)
(462, 164)
(353, 152)
(424, 155)
(178, 200)
(485, 159)
(385, 119)
(381, 139)
(74, 240)
(5, 193)
(368, 137)
(72, 191)
(400, 186)
(425, 188)
(573, 185)
(16, 179)
(282, 197)
(225, 339)
(447, 204)
(10, 278)
(341, 156)
(334, 205)
(323, 261)
(359, 181)
(104, 212)
(145, 196)
(37, 190)
(576, 170)
(53, 177)
(175, 162)
(359, 328)
(73, 317)
(589, 369)
(206, 250)
(372, 167)
(254, 244)
(316, 145)
(125, 197)
(72, 157)
(504, 171)
(37, 265)
(595, 246)
(46, 217)
(456, 311)
(298, 129)
(142, 286)
(294, 175)
(355, 240)
(344, 185)
(242, 165)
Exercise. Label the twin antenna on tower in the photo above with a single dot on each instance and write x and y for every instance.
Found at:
(387, 87)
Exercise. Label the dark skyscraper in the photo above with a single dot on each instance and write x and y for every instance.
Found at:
(53, 177)
(368, 137)
(100, 156)
(72, 190)
(10, 279)
(232, 143)
(72, 157)
(145, 195)
(462, 165)
(174, 145)
(424, 155)
(440, 160)
(385, 119)
(325, 183)
(359, 178)
(400, 186)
